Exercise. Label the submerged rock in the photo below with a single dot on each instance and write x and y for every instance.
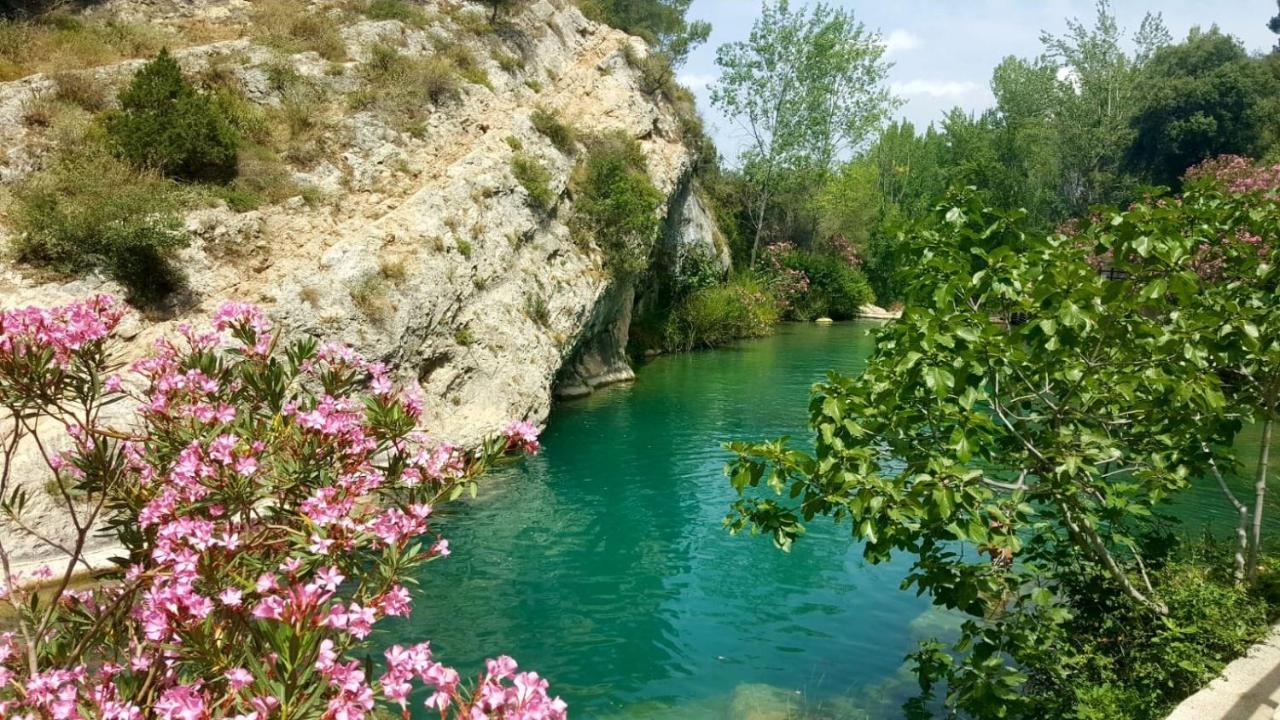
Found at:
(758, 701)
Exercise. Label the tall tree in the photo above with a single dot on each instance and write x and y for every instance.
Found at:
(1201, 98)
(1098, 96)
(1021, 423)
(1025, 135)
(806, 86)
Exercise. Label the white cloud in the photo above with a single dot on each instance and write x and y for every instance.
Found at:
(696, 81)
(1070, 76)
(950, 89)
(900, 41)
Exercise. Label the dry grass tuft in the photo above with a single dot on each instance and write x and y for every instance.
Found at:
(59, 41)
(293, 26)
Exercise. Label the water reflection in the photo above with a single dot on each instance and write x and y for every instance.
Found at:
(603, 563)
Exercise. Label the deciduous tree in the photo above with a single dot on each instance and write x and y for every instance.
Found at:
(805, 87)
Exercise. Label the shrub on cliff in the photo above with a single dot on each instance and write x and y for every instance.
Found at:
(165, 124)
(498, 6)
(535, 180)
(297, 27)
(549, 123)
(271, 504)
(616, 202)
(404, 89)
(89, 211)
(401, 10)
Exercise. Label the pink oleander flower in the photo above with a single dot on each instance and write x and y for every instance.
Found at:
(522, 436)
(239, 678)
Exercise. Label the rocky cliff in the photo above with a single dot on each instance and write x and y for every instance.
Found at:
(420, 248)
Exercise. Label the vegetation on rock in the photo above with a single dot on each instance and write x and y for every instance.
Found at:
(554, 128)
(89, 211)
(536, 181)
(615, 202)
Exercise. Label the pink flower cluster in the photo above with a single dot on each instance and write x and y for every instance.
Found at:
(789, 284)
(270, 507)
(839, 245)
(522, 436)
(63, 331)
(1236, 174)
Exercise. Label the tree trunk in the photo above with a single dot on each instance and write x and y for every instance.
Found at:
(1088, 539)
(755, 243)
(1238, 572)
(1260, 495)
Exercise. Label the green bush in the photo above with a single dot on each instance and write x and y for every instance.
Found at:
(1123, 662)
(165, 124)
(836, 289)
(89, 211)
(464, 60)
(297, 128)
(616, 202)
(295, 27)
(548, 122)
(719, 314)
(59, 40)
(401, 10)
(535, 180)
(262, 178)
(82, 90)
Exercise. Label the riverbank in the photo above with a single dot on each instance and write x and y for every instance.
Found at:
(1249, 689)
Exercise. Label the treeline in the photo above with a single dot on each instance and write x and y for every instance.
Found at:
(1096, 119)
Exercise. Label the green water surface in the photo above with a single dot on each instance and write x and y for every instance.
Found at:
(603, 564)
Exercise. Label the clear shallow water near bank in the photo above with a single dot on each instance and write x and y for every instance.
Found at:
(603, 564)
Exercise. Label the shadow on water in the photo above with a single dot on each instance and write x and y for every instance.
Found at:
(603, 563)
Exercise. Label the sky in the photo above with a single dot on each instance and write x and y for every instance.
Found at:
(943, 51)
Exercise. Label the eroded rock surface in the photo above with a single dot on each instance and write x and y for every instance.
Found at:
(423, 250)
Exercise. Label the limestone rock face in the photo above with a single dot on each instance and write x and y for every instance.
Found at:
(423, 250)
(692, 231)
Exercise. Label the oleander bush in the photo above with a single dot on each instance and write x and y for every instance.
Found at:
(272, 502)
(817, 283)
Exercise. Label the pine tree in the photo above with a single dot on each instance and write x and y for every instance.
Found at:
(166, 124)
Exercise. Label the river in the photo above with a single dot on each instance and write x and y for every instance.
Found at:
(602, 563)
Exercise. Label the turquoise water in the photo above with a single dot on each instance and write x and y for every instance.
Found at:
(602, 563)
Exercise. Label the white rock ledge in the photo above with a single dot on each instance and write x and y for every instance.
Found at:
(1249, 689)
